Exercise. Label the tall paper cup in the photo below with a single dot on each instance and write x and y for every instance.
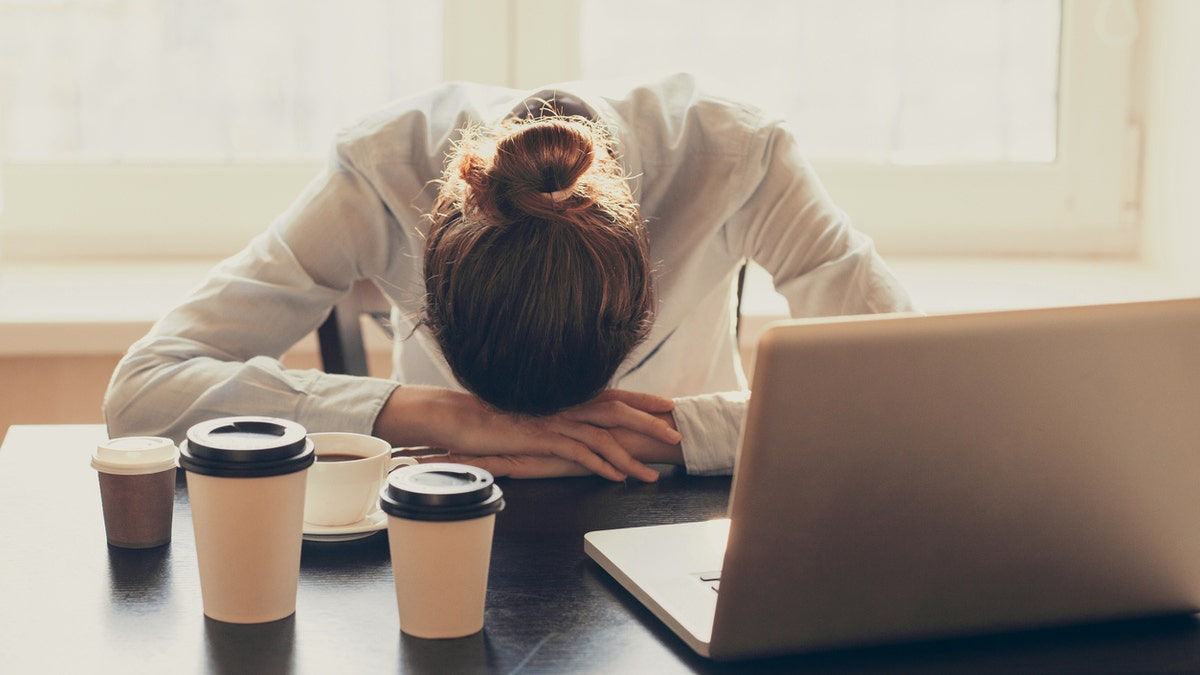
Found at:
(246, 481)
(137, 489)
(440, 523)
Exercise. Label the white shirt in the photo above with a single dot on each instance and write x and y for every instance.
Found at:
(718, 183)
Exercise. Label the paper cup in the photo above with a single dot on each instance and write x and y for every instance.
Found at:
(137, 490)
(246, 481)
(440, 523)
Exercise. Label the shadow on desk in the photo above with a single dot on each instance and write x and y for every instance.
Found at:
(1165, 644)
(263, 648)
(1133, 646)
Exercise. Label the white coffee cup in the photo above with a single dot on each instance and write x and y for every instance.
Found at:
(344, 482)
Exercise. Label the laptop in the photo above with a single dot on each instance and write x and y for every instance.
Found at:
(908, 478)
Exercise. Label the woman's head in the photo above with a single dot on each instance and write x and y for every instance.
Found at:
(537, 272)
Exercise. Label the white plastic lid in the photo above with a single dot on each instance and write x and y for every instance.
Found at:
(135, 455)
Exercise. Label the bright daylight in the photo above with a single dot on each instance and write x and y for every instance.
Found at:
(599, 336)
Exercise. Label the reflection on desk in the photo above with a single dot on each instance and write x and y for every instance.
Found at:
(68, 602)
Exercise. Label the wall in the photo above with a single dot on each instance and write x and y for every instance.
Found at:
(69, 388)
(52, 389)
(1171, 169)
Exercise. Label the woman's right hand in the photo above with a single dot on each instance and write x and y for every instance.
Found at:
(586, 435)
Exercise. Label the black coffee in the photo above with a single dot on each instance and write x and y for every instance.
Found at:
(338, 457)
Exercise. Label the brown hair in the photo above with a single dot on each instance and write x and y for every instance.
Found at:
(537, 272)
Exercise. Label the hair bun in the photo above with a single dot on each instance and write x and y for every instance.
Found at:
(545, 169)
(538, 168)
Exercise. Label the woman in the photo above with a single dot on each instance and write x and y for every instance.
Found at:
(561, 287)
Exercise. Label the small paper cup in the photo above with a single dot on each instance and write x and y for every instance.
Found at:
(440, 522)
(137, 489)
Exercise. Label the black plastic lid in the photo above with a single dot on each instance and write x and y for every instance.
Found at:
(246, 447)
(442, 491)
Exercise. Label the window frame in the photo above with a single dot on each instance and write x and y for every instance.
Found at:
(1084, 203)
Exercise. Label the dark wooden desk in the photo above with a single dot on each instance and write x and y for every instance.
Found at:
(69, 603)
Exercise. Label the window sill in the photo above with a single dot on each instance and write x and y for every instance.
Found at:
(48, 310)
(952, 284)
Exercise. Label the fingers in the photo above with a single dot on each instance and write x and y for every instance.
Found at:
(580, 436)
(597, 460)
(613, 413)
(504, 435)
(650, 403)
(596, 443)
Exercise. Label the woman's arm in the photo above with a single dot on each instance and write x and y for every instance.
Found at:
(791, 226)
(217, 352)
(613, 435)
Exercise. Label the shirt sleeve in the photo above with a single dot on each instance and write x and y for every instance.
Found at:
(217, 353)
(711, 427)
(820, 263)
(789, 224)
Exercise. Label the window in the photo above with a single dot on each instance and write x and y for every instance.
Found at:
(211, 81)
(944, 126)
(181, 127)
(139, 128)
(865, 81)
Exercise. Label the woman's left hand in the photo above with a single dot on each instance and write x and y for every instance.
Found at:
(591, 436)
(647, 445)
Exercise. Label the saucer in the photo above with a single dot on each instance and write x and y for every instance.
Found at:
(374, 522)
